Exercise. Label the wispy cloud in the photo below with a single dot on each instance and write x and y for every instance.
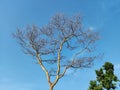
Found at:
(10, 84)
(117, 66)
(92, 28)
(117, 69)
(17, 86)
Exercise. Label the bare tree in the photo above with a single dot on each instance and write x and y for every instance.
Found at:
(60, 45)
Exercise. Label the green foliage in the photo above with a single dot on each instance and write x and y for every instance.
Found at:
(94, 86)
(106, 79)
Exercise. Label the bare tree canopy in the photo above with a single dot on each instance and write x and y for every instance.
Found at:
(62, 44)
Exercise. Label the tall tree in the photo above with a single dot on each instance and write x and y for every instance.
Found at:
(106, 79)
(58, 46)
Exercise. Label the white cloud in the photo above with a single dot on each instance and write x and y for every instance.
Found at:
(117, 66)
(91, 28)
(7, 83)
(117, 69)
(17, 86)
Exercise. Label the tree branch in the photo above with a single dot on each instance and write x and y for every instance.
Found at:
(78, 53)
(44, 69)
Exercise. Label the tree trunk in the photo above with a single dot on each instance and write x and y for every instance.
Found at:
(51, 88)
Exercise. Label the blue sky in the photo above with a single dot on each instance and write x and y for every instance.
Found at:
(19, 71)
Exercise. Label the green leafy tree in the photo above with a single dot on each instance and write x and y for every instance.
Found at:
(106, 79)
